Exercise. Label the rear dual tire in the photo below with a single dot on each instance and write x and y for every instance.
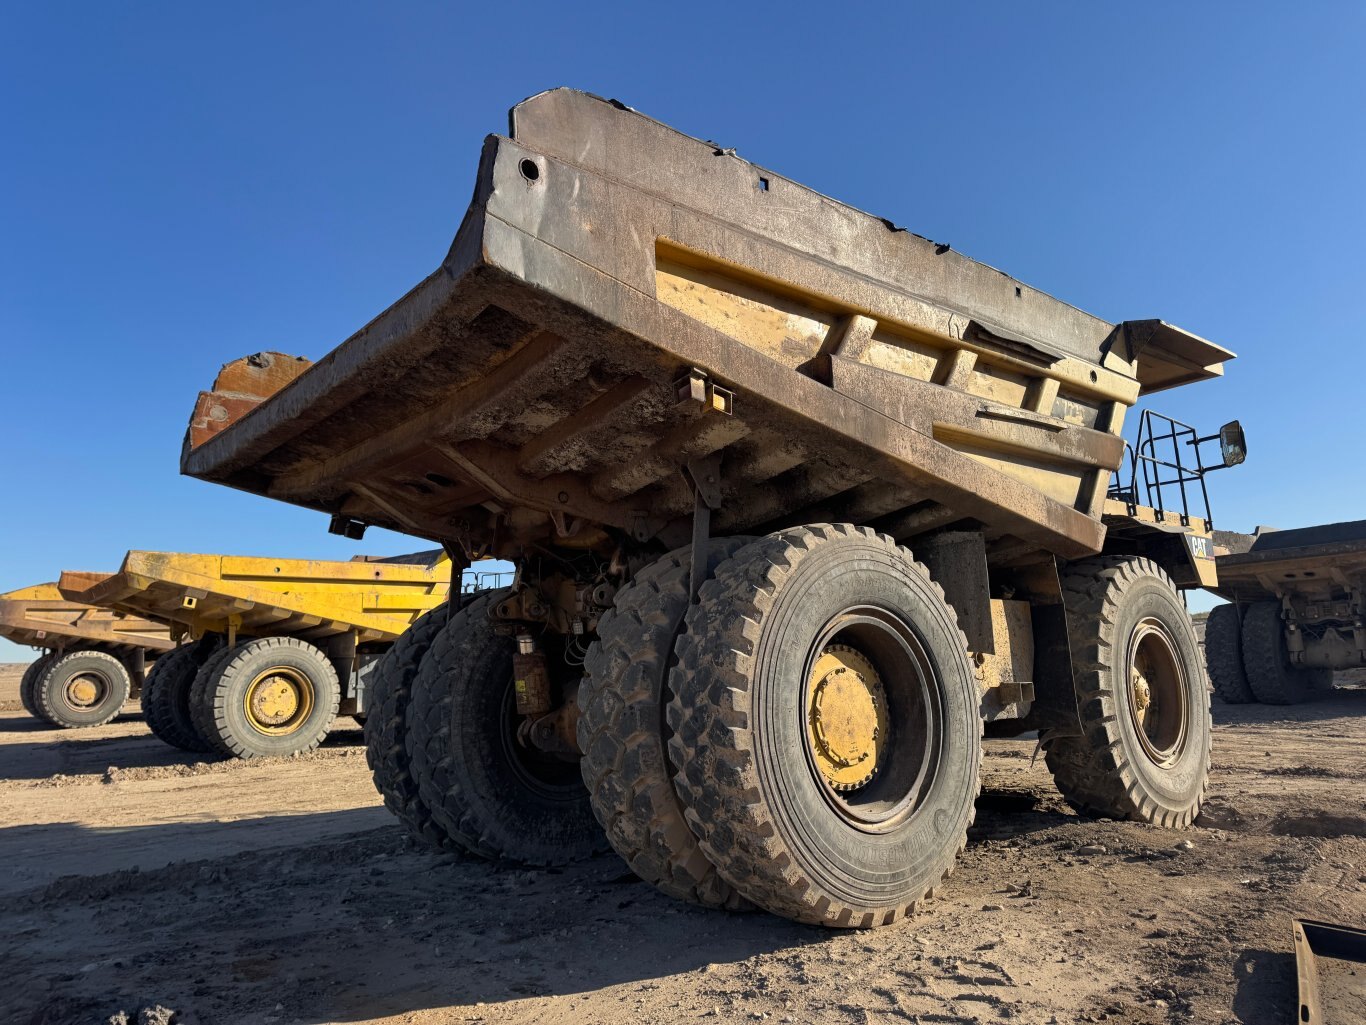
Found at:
(764, 793)
(494, 796)
(624, 737)
(166, 697)
(386, 729)
(27, 683)
(1272, 678)
(1224, 655)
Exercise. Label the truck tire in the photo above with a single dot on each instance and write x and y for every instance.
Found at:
(386, 729)
(27, 683)
(267, 697)
(166, 698)
(81, 688)
(1272, 677)
(847, 819)
(1224, 655)
(1144, 748)
(493, 796)
(624, 737)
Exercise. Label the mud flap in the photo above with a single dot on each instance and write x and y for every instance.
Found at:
(1054, 712)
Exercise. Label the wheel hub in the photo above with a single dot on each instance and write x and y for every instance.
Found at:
(83, 691)
(846, 716)
(279, 701)
(1143, 694)
(1157, 693)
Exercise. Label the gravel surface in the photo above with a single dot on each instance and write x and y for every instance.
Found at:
(143, 884)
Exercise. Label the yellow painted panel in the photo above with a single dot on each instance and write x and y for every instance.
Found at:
(777, 325)
(1056, 481)
(902, 355)
(998, 385)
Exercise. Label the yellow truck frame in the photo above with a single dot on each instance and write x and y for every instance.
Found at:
(94, 659)
(269, 650)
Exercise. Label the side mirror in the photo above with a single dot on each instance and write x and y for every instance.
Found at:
(1232, 443)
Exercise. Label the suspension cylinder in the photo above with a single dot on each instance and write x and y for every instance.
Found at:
(531, 682)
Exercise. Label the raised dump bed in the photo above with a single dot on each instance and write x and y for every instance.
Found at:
(94, 659)
(847, 490)
(1297, 612)
(271, 650)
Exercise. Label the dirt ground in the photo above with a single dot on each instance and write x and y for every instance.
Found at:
(139, 880)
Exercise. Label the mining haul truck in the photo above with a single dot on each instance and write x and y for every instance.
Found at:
(800, 504)
(1296, 612)
(269, 651)
(93, 659)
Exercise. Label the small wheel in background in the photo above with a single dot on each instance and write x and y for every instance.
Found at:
(29, 681)
(81, 689)
(1224, 655)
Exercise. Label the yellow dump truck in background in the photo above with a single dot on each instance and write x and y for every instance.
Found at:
(269, 651)
(94, 658)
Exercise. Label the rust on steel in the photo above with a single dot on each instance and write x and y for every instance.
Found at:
(528, 390)
(239, 388)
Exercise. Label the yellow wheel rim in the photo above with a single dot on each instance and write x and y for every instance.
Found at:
(84, 690)
(846, 717)
(279, 701)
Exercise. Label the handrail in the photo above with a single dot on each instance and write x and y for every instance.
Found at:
(1150, 457)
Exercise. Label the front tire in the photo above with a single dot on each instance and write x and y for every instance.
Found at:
(81, 689)
(827, 737)
(1224, 655)
(494, 796)
(1144, 748)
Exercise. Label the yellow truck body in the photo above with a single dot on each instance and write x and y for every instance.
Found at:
(269, 651)
(41, 617)
(93, 659)
(312, 599)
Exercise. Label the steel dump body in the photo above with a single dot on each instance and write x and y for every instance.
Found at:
(841, 368)
(304, 598)
(1317, 564)
(41, 617)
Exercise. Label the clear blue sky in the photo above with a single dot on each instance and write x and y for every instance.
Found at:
(182, 184)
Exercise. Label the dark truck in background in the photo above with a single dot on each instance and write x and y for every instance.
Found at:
(1296, 612)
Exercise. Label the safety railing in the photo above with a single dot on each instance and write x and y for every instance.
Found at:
(1164, 470)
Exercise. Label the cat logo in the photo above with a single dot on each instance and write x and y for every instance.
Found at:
(1200, 547)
